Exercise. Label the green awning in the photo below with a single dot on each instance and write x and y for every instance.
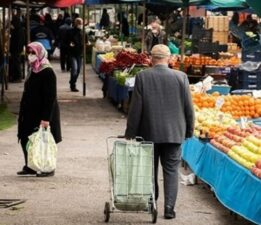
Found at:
(256, 6)
(228, 3)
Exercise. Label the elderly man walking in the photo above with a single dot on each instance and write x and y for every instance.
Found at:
(161, 111)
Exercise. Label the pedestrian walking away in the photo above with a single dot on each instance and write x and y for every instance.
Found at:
(39, 105)
(76, 51)
(161, 111)
(105, 20)
(64, 45)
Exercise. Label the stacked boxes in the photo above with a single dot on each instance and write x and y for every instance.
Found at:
(249, 80)
(220, 25)
(232, 48)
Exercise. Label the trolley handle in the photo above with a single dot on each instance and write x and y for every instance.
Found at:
(121, 136)
(110, 138)
(137, 138)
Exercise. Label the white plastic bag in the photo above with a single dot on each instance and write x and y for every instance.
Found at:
(99, 44)
(42, 151)
(56, 53)
(188, 179)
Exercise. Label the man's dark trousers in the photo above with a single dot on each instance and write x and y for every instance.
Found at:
(170, 156)
(65, 58)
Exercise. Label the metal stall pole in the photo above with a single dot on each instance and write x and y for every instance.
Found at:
(84, 52)
(4, 50)
(88, 14)
(132, 19)
(121, 35)
(136, 18)
(185, 13)
(143, 27)
(2, 67)
(27, 22)
(8, 45)
(28, 37)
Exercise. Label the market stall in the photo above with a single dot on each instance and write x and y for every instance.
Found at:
(225, 151)
(234, 186)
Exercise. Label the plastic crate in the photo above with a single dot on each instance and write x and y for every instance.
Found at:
(208, 48)
(253, 76)
(223, 48)
(251, 56)
(242, 92)
(224, 90)
(249, 85)
(201, 34)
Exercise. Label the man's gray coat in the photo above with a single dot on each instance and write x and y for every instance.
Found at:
(161, 109)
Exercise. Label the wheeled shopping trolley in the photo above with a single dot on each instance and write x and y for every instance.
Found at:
(131, 177)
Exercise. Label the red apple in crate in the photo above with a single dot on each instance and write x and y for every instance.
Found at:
(229, 135)
(232, 130)
(237, 138)
(258, 163)
(225, 149)
(256, 171)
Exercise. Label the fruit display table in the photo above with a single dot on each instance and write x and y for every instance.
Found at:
(117, 92)
(95, 54)
(235, 187)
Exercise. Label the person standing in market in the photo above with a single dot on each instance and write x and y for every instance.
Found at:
(44, 35)
(63, 44)
(39, 105)
(161, 111)
(124, 25)
(154, 36)
(17, 42)
(105, 20)
(75, 47)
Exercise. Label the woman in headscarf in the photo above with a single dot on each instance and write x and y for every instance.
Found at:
(39, 105)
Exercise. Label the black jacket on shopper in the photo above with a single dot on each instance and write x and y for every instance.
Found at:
(17, 40)
(75, 40)
(39, 102)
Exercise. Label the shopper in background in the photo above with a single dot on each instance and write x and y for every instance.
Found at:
(76, 51)
(236, 32)
(39, 105)
(161, 111)
(122, 18)
(17, 42)
(154, 36)
(44, 35)
(249, 24)
(58, 22)
(105, 20)
(62, 40)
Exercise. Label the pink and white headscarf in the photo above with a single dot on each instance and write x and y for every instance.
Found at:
(42, 62)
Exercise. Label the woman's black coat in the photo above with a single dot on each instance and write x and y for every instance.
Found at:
(39, 102)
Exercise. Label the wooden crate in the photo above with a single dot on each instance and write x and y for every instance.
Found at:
(218, 23)
(220, 36)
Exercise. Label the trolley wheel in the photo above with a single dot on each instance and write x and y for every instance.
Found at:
(107, 212)
(154, 215)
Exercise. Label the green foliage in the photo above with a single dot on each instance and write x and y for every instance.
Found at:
(7, 119)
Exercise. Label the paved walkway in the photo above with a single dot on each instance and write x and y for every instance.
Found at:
(77, 193)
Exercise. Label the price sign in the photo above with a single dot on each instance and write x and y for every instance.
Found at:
(243, 122)
(207, 83)
(219, 103)
(256, 93)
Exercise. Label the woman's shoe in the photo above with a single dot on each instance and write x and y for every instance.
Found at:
(42, 174)
(26, 171)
